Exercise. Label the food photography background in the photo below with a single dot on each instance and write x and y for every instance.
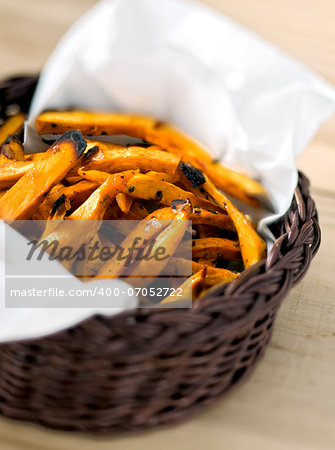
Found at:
(289, 402)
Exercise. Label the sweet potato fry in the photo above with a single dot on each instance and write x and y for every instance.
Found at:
(115, 267)
(202, 216)
(215, 276)
(216, 248)
(139, 209)
(160, 176)
(4, 160)
(213, 248)
(124, 201)
(89, 268)
(35, 156)
(13, 149)
(253, 248)
(93, 209)
(45, 207)
(191, 288)
(146, 230)
(67, 233)
(12, 171)
(198, 192)
(11, 126)
(177, 266)
(169, 239)
(23, 199)
(95, 206)
(191, 179)
(234, 183)
(159, 133)
(114, 158)
(72, 180)
(60, 208)
(122, 225)
(207, 262)
(2, 193)
(206, 231)
(77, 194)
(95, 176)
(213, 218)
(144, 187)
(58, 212)
(170, 213)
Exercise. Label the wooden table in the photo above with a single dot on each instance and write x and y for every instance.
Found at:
(289, 403)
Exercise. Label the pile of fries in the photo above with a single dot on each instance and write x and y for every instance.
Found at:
(165, 176)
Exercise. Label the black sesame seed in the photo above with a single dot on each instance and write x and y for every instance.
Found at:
(131, 189)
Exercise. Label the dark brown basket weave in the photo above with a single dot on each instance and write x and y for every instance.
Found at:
(145, 368)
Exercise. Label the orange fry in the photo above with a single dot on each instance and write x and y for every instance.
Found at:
(202, 216)
(142, 186)
(253, 248)
(13, 149)
(115, 158)
(12, 171)
(214, 248)
(95, 176)
(178, 266)
(95, 206)
(146, 230)
(76, 194)
(160, 176)
(168, 239)
(22, 200)
(124, 201)
(11, 126)
(190, 289)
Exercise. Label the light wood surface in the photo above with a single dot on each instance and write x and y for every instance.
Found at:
(289, 403)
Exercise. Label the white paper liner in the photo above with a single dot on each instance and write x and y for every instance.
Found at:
(250, 104)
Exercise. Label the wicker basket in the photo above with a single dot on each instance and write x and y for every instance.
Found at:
(145, 368)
